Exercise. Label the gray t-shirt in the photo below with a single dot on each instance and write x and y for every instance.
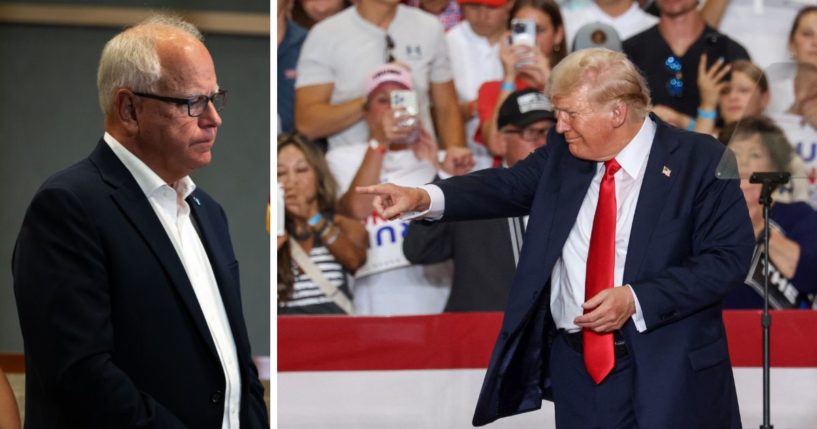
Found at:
(345, 48)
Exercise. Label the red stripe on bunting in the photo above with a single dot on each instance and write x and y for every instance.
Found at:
(465, 340)
(793, 337)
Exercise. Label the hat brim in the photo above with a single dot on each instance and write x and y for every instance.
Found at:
(379, 84)
(533, 116)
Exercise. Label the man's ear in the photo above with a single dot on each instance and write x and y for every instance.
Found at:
(619, 114)
(125, 110)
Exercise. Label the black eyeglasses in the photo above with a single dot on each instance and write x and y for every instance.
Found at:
(389, 54)
(675, 85)
(195, 105)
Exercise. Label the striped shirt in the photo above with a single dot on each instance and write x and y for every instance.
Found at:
(307, 297)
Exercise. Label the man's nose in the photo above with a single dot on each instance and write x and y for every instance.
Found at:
(210, 116)
(561, 125)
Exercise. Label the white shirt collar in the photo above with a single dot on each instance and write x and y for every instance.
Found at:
(634, 155)
(147, 179)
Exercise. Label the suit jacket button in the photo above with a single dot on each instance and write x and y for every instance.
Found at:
(216, 397)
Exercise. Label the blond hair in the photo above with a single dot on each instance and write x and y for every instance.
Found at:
(609, 75)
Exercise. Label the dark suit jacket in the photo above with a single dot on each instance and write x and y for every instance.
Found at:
(482, 251)
(691, 243)
(114, 335)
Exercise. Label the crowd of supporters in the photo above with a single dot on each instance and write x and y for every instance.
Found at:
(407, 92)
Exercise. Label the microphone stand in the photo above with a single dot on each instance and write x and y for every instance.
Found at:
(769, 181)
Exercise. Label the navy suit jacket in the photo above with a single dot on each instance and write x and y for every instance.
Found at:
(114, 335)
(691, 243)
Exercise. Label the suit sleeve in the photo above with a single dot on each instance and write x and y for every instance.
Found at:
(428, 242)
(63, 300)
(495, 192)
(722, 242)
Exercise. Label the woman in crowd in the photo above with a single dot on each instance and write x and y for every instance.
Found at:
(523, 67)
(760, 145)
(320, 247)
(400, 151)
(745, 94)
(803, 51)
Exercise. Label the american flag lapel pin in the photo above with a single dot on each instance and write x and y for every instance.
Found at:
(666, 171)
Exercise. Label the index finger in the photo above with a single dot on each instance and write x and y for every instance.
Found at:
(371, 190)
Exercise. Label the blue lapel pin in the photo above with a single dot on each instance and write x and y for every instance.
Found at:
(198, 203)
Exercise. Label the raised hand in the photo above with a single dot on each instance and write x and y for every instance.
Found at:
(391, 129)
(458, 161)
(426, 148)
(508, 57)
(711, 81)
(538, 70)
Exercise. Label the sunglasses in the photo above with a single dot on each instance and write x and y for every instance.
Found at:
(675, 85)
(389, 54)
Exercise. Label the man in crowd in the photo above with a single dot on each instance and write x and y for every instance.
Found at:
(632, 243)
(625, 16)
(473, 46)
(669, 53)
(485, 252)
(338, 54)
(126, 283)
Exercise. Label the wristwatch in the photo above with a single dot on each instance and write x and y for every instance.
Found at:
(377, 146)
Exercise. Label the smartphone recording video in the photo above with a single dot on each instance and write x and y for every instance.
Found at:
(523, 32)
(715, 48)
(404, 106)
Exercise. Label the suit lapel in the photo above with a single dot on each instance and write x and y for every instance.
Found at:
(227, 286)
(658, 179)
(137, 209)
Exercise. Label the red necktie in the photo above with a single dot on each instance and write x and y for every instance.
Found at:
(599, 357)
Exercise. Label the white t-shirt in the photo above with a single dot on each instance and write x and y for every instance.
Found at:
(628, 24)
(762, 26)
(344, 49)
(781, 95)
(474, 61)
(388, 283)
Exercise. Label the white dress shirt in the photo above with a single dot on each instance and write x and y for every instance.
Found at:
(174, 214)
(568, 275)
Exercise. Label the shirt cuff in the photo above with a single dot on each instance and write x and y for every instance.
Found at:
(638, 317)
(435, 209)
(442, 174)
